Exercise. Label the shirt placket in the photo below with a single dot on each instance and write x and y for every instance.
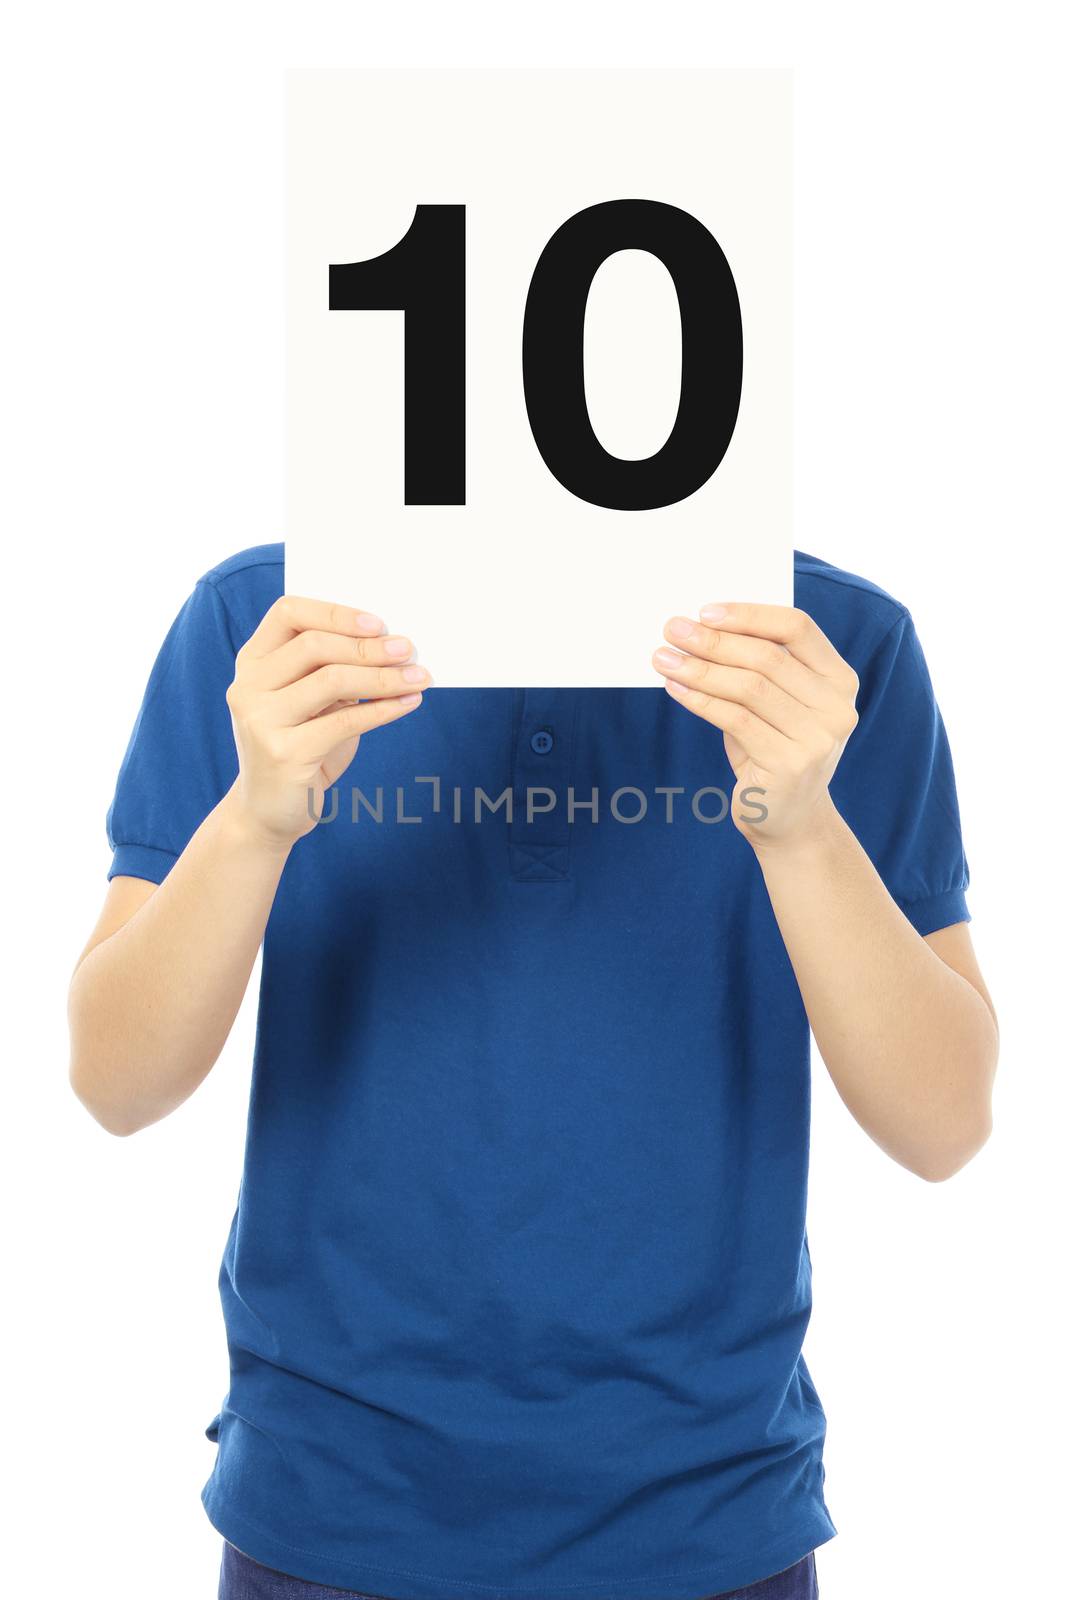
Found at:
(542, 765)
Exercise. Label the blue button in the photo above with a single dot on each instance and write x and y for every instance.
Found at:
(541, 742)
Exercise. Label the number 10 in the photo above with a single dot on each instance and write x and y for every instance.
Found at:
(424, 275)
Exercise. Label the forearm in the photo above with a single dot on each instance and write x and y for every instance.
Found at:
(152, 1004)
(910, 1044)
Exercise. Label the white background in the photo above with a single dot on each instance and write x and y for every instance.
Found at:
(142, 430)
(522, 152)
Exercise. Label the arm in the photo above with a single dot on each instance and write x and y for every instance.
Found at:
(904, 1024)
(160, 982)
(156, 990)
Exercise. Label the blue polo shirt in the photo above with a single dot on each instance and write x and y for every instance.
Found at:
(518, 1280)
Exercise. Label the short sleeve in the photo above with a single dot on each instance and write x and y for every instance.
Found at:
(181, 757)
(896, 787)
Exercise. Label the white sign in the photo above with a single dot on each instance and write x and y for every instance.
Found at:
(539, 359)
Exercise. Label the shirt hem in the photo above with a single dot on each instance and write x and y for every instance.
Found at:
(149, 861)
(403, 1584)
(937, 911)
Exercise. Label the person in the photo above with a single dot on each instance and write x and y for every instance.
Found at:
(519, 1276)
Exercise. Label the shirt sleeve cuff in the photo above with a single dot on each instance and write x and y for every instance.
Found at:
(939, 911)
(141, 861)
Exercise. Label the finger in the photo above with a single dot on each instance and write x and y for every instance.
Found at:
(765, 656)
(743, 687)
(315, 693)
(314, 740)
(337, 761)
(787, 626)
(292, 615)
(761, 743)
(308, 651)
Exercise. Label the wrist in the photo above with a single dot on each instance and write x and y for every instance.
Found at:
(822, 834)
(248, 832)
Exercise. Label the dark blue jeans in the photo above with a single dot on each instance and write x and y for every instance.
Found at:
(244, 1579)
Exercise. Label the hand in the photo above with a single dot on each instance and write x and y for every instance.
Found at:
(785, 701)
(309, 682)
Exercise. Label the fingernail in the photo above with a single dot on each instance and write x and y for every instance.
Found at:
(407, 699)
(681, 628)
(397, 647)
(712, 613)
(414, 674)
(668, 658)
(369, 622)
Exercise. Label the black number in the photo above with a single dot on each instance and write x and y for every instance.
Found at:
(553, 361)
(423, 275)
